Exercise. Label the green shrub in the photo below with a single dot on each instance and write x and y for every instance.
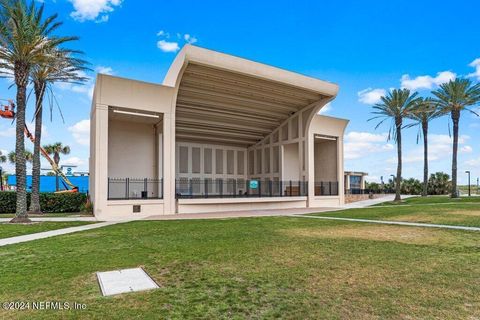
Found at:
(49, 202)
(7, 201)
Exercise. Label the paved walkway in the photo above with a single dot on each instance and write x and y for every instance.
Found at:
(54, 219)
(240, 214)
(53, 233)
(371, 202)
(410, 224)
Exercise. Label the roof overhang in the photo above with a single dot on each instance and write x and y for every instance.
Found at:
(230, 100)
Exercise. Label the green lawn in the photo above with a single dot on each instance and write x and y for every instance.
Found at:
(432, 200)
(254, 268)
(439, 210)
(8, 230)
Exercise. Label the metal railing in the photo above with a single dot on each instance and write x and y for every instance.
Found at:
(326, 188)
(186, 188)
(134, 188)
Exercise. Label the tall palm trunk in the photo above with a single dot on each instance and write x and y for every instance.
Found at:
(21, 80)
(455, 120)
(425, 158)
(398, 183)
(39, 89)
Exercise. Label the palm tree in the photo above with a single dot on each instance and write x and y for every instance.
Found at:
(12, 157)
(439, 183)
(61, 66)
(454, 97)
(25, 36)
(3, 158)
(425, 111)
(395, 106)
(56, 149)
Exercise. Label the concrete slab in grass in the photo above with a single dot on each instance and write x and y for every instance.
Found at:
(126, 280)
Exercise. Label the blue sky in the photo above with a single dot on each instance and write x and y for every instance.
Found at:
(366, 47)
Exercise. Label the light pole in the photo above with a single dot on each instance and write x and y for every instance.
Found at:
(1, 178)
(469, 190)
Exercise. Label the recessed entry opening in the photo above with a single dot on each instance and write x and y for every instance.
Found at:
(326, 165)
(135, 153)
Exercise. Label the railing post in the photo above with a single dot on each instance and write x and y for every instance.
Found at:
(205, 182)
(221, 188)
(127, 186)
(259, 188)
(190, 188)
(290, 188)
(248, 188)
(145, 187)
(161, 185)
(270, 188)
(281, 188)
(108, 188)
(234, 187)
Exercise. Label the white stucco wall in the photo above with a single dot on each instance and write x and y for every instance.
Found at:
(326, 163)
(131, 150)
(291, 170)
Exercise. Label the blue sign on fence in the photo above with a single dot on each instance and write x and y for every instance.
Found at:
(253, 184)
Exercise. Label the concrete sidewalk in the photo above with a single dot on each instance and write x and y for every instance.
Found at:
(54, 219)
(53, 233)
(371, 202)
(240, 214)
(400, 223)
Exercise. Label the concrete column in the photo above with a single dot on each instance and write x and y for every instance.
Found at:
(340, 169)
(101, 158)
(362, 182)
(310, 167)
(169, 163)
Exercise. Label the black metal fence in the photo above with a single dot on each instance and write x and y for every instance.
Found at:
(134, 188)
(326, 188)
(237, 188)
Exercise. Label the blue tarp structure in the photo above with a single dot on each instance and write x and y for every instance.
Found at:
(47, 183)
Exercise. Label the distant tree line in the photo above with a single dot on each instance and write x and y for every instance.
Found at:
(439, 183)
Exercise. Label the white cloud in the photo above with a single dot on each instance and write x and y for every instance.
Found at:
(88, 87)
(326, 108)
(360, 144)
(104, 70)
(439, 146)
(173, 46)
(96, 10)
(167, 46)
(371, 96)
(426, 82)
(466, 149)
(7, 133)
(475, 64)
(81, 132)
(72, 161)
(473, 162)
(189, 39)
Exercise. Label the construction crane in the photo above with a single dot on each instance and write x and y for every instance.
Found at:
(8, 112)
